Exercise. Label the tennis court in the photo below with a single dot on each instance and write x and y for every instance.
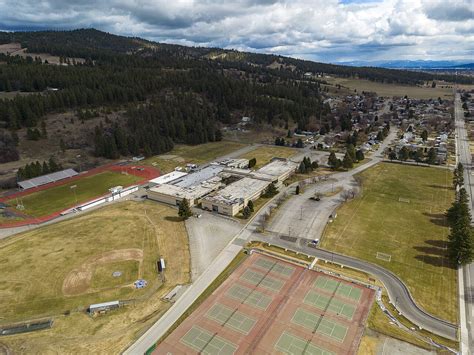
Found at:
(291, 344)
(205, 342)
(267, 306)
(284, 271)
(251, 297)
(231, 318)
(256, 278)
(340, 288)
(319, 324)
(332, 305)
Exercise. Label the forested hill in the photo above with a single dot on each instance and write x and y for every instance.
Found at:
(172, 94)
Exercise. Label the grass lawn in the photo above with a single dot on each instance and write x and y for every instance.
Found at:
(102, 275)
(393, 89)
(196, 154)
(400, 212)
(264, 154)
(35, 264)
(45, 202)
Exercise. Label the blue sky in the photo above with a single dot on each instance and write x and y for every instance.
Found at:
(322, 30)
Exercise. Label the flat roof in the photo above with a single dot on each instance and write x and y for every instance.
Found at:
(105, 304)
(167, 178)
(199, 176)
(189, 193)
(277, 167)
(238, 191)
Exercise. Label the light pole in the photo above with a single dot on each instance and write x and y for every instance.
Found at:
(73, 188)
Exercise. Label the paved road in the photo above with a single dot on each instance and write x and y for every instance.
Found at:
(466, 274)
(397, 290)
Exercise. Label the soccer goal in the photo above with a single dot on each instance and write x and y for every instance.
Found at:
(403, 199)
(384, 257)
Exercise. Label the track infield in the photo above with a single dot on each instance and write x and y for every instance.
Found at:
(269, 306)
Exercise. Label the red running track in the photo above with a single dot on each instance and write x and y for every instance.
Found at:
(145, 172)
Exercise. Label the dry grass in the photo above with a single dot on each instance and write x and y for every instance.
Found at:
(368, 345)
(414, 233)
(196, 154)
(265, 153)
(350, 84)
(34, 265)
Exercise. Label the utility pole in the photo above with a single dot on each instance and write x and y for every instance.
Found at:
(73, 188)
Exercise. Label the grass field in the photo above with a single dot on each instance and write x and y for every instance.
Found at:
(264, 154)
(196, 154)
(45, 202)
(392, 89)
(400, 212)
(36, 264)
(102, 274)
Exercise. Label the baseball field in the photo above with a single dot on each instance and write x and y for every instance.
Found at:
(59, 270)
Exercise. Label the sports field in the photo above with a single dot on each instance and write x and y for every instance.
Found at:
(269, 306)
(266, 153)
(196, 154)
(64, 267)
(389, 90)
(398, 222)
(58, 198)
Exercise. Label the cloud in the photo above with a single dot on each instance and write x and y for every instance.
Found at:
(326, 30)
(461, 10)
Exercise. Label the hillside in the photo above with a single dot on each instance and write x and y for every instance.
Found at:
(118, 96)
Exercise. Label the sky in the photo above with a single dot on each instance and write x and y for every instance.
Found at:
(320, 30)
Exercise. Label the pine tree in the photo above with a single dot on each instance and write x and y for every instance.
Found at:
(297, 190)
(250, 205)
(184, 210)
(347, 162)
(332, 160)
(270, 191)
(246, 213)
(360, 155)
(252, 163)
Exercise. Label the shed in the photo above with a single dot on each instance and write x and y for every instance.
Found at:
(100, 307)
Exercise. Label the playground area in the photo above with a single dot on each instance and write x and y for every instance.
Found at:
(271, 306)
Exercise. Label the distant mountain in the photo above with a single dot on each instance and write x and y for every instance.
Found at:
(412, 64)
(469, 66)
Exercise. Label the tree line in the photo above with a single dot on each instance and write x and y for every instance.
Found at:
(35, 169)
(460, 239)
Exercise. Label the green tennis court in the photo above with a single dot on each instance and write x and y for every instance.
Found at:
(250, 297)
(275, 267)
(316, 323)
(291, 344)
(342, 289)
(258, 279)
(205, 342)
(331, 304)
(231, 318)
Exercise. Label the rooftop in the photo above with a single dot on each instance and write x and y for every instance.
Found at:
(189, 193)
(167, 178)
(238, 191)
(199, 176)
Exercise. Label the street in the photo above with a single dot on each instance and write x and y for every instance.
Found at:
(466, 274)
(396, 288)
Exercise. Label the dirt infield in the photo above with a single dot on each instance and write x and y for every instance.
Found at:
(78, 280)
(270, 306)
(144, 172)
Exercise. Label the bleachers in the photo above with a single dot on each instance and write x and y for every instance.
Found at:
(46, 179)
